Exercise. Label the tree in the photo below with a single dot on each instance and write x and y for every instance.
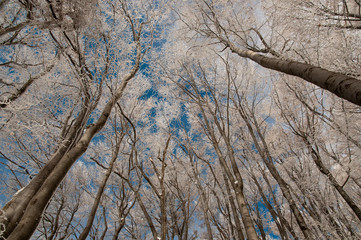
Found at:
(24, 210)
(310, 121)
(146, 120)
(23, 20)
(231, 169)
(213, 21)
(253, 110)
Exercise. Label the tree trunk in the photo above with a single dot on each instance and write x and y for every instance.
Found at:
(234, 209)
(15, 208)
(323, 169)
(93, 211)
(236, 181)
(344, 86)
(36, 206)
(267, 158)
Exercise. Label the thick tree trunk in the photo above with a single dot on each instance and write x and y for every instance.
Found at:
(34, 209)
(344, 86)
(15, 208)
(36, 206)
(246, 217)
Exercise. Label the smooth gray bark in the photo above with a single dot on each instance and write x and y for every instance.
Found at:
(344, 86)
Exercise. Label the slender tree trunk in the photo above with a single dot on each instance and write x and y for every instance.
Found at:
(203, 198)
(235, 177)
(266, 156)
(270, 208)
(234, 210)
(237, 185)
(277, 207)
(287, 194)
(260, 223)
(236, 182)
(145, 212)
(323, 169)
(118, 229)
(163, 203)
(15, 28)
(93, 211)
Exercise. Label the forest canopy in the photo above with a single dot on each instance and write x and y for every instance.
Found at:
(194, 119)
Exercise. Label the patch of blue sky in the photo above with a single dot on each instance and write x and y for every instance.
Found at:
(181, 122)
(150, 93)
(98, 138)
(177, 123)
(269, 120)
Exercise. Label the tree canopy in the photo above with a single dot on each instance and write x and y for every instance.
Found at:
(195, 119)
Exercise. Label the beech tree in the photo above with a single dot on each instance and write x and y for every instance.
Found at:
(246, 110)
(234, 25)
(180, 119)
(330, 165)
(88, 52)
